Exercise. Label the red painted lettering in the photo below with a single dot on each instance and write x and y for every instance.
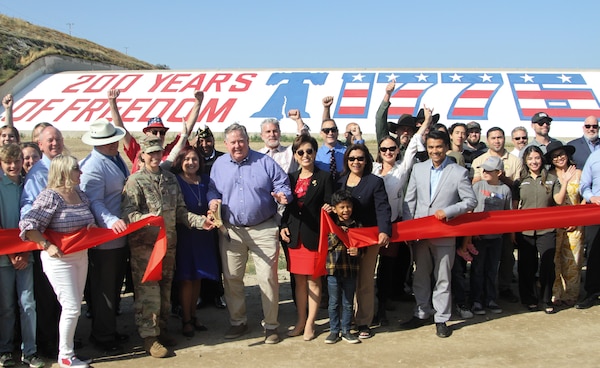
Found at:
(47, 107)
(28, 105)
(93, 107)
(175, 80)
(245, 83)
(104, 77)
(173, 117)
(159, 80)
(83, 78)
(133, 107)
(134, 78)
(195, 83)
(72, 107)
(218, 79)
(152, 110)
(211, 111)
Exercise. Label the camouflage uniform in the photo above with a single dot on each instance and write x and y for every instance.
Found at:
(158, 194)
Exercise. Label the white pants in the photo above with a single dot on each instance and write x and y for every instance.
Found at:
(67, 276)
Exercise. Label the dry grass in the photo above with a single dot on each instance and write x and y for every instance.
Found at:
(21, 43)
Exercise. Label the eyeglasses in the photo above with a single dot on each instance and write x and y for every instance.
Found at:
(309, 152)
(589, 126)
(329, 130)
(520, 138)
(542, 122)
(160, 132)
(359, 159)
(385, 149)
(76, 168)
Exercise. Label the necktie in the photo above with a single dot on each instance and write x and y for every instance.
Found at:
(332, 165)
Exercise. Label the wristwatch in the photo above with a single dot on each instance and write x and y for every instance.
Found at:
(46, 244)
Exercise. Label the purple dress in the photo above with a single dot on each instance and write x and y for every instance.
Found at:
(196, 256)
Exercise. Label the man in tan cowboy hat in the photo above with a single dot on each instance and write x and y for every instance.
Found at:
(155, 127)
(102, 180)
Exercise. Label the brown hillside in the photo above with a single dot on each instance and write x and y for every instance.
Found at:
(21, 43)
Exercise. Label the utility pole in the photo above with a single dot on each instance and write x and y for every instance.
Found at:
(70, 26)
(126, 50)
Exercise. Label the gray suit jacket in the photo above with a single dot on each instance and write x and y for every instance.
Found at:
(582, 151)
(454, 194)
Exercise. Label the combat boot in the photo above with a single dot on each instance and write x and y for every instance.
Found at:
(155, 348)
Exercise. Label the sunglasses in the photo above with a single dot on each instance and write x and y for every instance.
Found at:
(385, 149)
(76, 168)
(359, 158)
(520, 138)
(589, 126)
(329, 130)
(161, 132)
(541, 123)
(301, 153)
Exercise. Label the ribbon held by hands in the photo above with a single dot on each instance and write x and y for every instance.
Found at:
(479, 223)
(89, 238)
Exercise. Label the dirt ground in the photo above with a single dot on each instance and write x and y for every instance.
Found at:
(515, 338)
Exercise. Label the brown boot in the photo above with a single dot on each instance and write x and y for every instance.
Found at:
(155, 348)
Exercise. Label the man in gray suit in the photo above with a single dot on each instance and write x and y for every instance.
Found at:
(586, 144)
(440, 188)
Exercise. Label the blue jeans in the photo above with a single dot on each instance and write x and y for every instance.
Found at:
(340, 288)
(23, 280)
(484, 270)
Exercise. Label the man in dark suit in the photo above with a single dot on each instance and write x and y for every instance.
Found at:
(440, 188)
(588, 143)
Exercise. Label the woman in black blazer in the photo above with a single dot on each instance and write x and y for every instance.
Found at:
(371, 208)
(300, 230)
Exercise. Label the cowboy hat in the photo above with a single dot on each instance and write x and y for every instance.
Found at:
(102, 132)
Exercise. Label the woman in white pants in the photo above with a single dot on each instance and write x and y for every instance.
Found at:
(62, 207)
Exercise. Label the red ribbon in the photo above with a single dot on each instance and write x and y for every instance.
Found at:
(89, 238)
(480, 223)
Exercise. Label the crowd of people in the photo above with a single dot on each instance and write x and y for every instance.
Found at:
(219, 208)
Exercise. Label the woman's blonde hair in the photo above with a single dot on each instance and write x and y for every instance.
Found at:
(59, 174)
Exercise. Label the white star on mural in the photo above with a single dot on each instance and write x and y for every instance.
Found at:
(527, 78)
(485, 77)
(391, 77)
(456, 78)
(564, 78)
(358, 77)
(422, 77)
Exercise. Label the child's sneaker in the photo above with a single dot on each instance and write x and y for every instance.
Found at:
(478, 309)
(494, 307)
(6, 360)
(72, 362)
(332, 338)
(33, 361)
(350, 338)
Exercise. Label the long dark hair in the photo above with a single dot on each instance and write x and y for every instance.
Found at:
(525, 170)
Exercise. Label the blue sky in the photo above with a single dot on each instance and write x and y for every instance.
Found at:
(332, 34)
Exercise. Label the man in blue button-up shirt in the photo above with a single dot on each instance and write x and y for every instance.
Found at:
(249, 186)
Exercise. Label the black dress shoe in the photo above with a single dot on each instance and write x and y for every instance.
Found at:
(588, 302)
(442, 330)
(414, 322)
